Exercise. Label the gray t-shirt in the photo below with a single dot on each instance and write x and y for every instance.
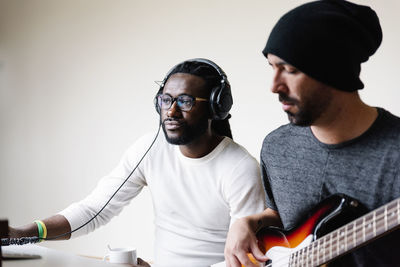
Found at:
(299, 172)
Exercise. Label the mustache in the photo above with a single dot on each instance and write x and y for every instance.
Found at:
(171, 119)
(285, 98)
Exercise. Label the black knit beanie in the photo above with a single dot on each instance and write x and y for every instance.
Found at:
(327, 40)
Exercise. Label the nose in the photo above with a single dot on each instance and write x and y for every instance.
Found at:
(278, 83)
(173, 110)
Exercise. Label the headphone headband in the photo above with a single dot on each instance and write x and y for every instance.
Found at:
(221, 73)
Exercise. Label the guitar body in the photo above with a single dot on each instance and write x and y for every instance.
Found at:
(280, 245)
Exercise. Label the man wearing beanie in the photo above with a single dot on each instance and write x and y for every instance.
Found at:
(334, 143)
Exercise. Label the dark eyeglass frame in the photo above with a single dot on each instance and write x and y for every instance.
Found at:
(179, 101)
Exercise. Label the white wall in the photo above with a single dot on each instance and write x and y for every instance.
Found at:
(77, 84)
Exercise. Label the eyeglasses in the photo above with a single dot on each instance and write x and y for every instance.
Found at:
(184, 102)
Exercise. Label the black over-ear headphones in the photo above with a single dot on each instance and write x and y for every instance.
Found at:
(220, 97)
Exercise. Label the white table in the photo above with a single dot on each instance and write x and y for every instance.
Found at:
(52, 258)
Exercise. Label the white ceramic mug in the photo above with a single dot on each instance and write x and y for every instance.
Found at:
(121, 255)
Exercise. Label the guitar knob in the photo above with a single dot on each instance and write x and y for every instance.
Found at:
(354, 203)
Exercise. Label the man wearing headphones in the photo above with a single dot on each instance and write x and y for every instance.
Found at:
(335, 143)
(200, 180)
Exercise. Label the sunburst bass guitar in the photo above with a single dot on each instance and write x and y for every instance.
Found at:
(308, 245)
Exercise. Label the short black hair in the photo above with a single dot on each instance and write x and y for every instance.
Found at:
(200, 69)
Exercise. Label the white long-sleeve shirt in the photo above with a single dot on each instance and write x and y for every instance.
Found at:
(195, 199)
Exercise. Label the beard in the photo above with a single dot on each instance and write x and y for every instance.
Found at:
(301, 118)
(189, 133)
(309, 109)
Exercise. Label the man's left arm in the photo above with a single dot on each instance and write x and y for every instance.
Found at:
(244, 190)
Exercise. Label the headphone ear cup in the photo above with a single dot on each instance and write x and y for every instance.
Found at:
(155, 100)
(156, 106)
(221, 101)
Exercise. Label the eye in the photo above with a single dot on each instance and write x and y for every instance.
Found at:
(185, 101)
(291, 69)
(166, 100)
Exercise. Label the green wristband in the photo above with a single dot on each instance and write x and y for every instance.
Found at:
(40, 229)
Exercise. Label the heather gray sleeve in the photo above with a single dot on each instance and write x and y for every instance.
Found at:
(269, 198)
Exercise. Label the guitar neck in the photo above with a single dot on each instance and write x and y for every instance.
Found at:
(350, 236)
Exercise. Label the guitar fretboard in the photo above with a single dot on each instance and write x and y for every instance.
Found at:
(349, 236)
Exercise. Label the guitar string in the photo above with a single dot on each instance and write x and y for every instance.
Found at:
(336, 240)
(380, 224)
(379, 221)
(358, 232)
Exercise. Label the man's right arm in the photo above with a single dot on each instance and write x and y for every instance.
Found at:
(242, 239)
(55, 225)
(81, 212)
